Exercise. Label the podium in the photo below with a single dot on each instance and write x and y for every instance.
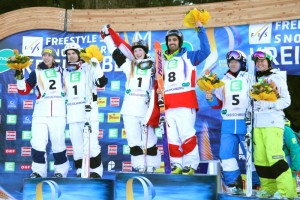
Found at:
(166, 186)
(68, 189)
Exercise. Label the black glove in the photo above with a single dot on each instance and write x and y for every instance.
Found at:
(19, 74)
(101, 82)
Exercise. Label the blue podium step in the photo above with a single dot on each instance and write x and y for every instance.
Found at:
(68, 189)
(166, 186)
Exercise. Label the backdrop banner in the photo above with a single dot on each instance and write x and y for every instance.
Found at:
(281, 38)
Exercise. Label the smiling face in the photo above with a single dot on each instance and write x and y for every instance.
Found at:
(234, 66)
(262, 64)
(48, 60)
(139, 53)
(72, 56)
(173, 43)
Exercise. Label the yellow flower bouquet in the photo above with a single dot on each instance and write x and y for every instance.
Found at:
(91, 52)
(209, 81)
(194, 15)
(264, 91)
(17, 61)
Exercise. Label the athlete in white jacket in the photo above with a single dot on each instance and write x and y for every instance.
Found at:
(233, 98)
(269, 159)
(49, 115)
(138, 87)
(81, 82)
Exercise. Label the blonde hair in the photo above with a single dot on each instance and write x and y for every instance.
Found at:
(131, 70)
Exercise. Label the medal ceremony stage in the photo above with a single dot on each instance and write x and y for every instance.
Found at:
(205, 184)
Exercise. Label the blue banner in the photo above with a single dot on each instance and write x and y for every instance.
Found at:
(281, 38)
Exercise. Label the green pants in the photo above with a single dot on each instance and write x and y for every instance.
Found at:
(271, 166)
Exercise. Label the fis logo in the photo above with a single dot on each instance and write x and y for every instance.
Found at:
(260, 33)
(32, 46)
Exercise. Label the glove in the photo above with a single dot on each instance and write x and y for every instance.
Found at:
(102, 81)
(94, 62)
(263, 105)
(19, 74)
(104, 31)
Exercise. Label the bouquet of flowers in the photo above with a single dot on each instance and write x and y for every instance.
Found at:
(194, 15)
(264, 91)
(17, 61)
(209, 81)
(91, 52)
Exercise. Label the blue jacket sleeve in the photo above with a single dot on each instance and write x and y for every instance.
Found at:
(200, 55)
(292, 145)
(31, 81)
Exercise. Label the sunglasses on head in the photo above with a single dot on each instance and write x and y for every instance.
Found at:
(260, 55)
(233, 55)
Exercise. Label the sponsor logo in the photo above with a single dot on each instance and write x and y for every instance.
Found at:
(158, 132)
(54, 189)
(101, 101)
(67, 133)
(241, 154)
(26, 151)
(112, 150)
(50, 73)
(126, 149)
(113, 117)
(9, 166)
(101, 89)
(100, 133)
(27, 119)
(148, 187)
(69, 150)
(11, 135)
(12, 104)
(10, 151)
(25, 167)
(28, 104)
(101, 117)
(114, 101)
(4, 55)
(111, 166)
(12, 88)
(11, 119)
(115, 85)
(26, 135)
(32, 46)
(141, 72)
(75, 77)
(123, 132)
(51, 166)
(126, 166)
(113, 133)
(236, 85)
(260, 33)
(161, 149)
